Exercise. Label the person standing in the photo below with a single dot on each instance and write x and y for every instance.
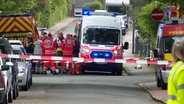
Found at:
(57, 47)
(76, 48)
(38, 51)
(67, 46)
(176, 76)
(38, 48)
(29, 35)
(48, 50)
(29, 46)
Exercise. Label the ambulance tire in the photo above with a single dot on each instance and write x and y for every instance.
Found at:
(83, 70)
(113, 72)
(119, 70)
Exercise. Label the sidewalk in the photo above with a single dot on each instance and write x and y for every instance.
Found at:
(61, 25)
(156, 93)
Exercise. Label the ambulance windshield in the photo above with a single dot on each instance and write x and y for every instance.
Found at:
(102, 36)
(168, 42)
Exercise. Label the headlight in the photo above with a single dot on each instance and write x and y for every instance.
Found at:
(84, 51)
(118, 52)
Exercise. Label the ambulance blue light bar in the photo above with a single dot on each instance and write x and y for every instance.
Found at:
(87, 12)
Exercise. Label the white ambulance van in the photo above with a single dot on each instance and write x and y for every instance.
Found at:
(101, 37)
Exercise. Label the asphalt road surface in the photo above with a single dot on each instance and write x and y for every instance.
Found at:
(92, 88)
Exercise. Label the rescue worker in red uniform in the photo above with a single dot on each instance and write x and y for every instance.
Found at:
(48, 50)
(67, 48)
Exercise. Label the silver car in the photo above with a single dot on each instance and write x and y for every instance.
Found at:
(8, 81)
(3, 88)
(24, 66)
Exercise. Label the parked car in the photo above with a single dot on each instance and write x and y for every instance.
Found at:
(4, 79)
(25, 72)
(18, 44)
(7, 49)
(7, 75)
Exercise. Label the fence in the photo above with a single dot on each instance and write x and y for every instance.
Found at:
(142, 49)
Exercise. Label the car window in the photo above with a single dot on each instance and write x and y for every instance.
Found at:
(15, 44)
(17, 52)
(23, 50)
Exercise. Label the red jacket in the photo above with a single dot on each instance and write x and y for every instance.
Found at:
(47, 46)
(67, 47)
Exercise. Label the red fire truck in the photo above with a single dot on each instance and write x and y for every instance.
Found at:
(16, 26)
(167, 34)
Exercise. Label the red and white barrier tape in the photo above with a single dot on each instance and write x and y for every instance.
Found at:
(77, 59)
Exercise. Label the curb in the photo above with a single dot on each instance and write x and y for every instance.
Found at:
(150, 86)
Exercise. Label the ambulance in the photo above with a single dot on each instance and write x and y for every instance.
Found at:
(101, 37)
(16, 26)
(167, 34)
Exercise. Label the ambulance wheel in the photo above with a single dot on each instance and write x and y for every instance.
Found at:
(44, 72)
(83, 70)
(119, 72)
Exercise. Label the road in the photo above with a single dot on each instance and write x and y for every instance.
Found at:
(91, 88)
(86, 89)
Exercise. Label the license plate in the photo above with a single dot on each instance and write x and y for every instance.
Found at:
(101, 63)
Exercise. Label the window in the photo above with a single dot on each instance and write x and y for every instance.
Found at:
(168, 42)
(102, 36)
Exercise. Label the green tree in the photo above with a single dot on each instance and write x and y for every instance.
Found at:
(146, 26)
(96, 5)
(16, 6)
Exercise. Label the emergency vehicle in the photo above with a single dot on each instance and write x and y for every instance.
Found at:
(101, 37)
(117, 7)
(16, 26)
(170, 30)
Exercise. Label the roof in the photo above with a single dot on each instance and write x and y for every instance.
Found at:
(15, 42)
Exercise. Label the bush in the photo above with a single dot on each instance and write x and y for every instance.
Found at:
(96, 5)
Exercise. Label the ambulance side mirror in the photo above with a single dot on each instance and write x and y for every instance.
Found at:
(126, 45)
(123, 33)
(155, 52)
